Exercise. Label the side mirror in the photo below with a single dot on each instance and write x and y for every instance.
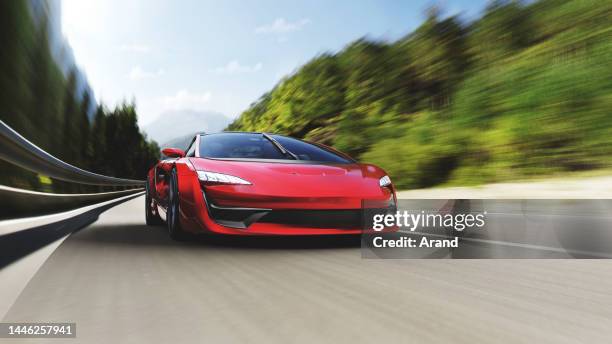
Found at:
(173, 152)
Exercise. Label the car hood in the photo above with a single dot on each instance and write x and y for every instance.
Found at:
(300, 182)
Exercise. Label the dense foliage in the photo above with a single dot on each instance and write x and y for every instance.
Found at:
(42, 104)
(524, 90)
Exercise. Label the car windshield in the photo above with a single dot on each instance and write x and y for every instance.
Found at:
(257, 146)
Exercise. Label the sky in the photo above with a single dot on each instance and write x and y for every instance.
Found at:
(221, 55)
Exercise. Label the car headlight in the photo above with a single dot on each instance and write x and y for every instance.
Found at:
(384, 181)
(220, 178)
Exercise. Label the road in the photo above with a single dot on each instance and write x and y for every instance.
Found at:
(594, 187)
(122, 281)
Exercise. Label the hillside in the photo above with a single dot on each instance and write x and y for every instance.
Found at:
(46, 99)
(522, 91)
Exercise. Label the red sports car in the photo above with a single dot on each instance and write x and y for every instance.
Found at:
(263, 184)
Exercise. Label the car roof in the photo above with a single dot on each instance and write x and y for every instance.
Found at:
(242, 132)
(236, 132)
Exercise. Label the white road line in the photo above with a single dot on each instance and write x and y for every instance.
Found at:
(15, 276)
(15, 225)
(49, 194)
(514, 244)
(18, 274)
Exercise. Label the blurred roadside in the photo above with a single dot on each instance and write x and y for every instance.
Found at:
(521, 92)
(46, 98)
(594, 187)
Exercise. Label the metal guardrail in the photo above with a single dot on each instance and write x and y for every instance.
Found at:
(18, 203)
(18, 150)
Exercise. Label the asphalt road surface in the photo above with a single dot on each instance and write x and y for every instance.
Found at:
(123, 282)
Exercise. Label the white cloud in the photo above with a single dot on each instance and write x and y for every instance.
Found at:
(281, 26)
(137, 73)
(135, 48)
(234, 67)
(184, 99)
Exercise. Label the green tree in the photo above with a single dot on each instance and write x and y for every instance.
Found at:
(522, 91)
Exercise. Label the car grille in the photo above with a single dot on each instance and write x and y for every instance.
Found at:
(339, 219)
(238, 217)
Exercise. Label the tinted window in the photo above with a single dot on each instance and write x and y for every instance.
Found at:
(307, 151)
(238, 145)
(256, 146)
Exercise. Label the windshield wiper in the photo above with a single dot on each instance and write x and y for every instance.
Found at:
(280, 147)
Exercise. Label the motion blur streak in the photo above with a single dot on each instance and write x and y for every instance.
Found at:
(120, 280)
(522, 91)
(47, 99)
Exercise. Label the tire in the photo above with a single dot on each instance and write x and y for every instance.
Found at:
(172, 214)
(151, 216)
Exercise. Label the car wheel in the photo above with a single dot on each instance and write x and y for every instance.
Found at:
(172, 215)
(151, 216)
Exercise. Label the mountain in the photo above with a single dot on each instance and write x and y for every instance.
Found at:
(177, 124)
(179, 142)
